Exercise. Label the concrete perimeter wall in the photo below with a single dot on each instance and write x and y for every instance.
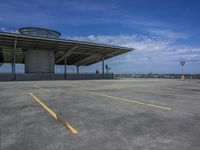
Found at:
(35, 77)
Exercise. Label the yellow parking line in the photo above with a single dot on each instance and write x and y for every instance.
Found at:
(128, 100)
(54, 115)
(41, 88)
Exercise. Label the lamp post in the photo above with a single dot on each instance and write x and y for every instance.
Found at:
(182, 63)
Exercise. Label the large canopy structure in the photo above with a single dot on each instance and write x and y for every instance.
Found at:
(40, 53)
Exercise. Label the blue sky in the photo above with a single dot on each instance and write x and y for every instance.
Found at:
(162, 31)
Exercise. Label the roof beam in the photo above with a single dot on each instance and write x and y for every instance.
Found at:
(114, 53)
(104, 56)
(87, 59)
(67, 53)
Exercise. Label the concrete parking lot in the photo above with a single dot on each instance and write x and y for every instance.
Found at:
(129, 114)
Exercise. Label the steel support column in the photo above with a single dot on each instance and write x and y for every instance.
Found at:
(14, 61)
(102, 68)
(65, 72)
(77, 69)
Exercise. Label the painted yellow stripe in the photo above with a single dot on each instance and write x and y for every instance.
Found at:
(128, 100)
(54, 115)
(41, 88)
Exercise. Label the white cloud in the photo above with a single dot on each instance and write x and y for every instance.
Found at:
(3, 29)
(168, 34)
(89, 6)
(158, 48)
(140, 42)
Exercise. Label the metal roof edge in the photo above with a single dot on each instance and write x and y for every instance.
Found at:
(66, 40)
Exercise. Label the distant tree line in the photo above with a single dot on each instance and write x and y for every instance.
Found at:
(152, 75)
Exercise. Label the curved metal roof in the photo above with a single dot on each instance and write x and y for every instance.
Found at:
(39, 32)
(77, 52)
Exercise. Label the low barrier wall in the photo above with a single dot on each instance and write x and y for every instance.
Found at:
(34, 77)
